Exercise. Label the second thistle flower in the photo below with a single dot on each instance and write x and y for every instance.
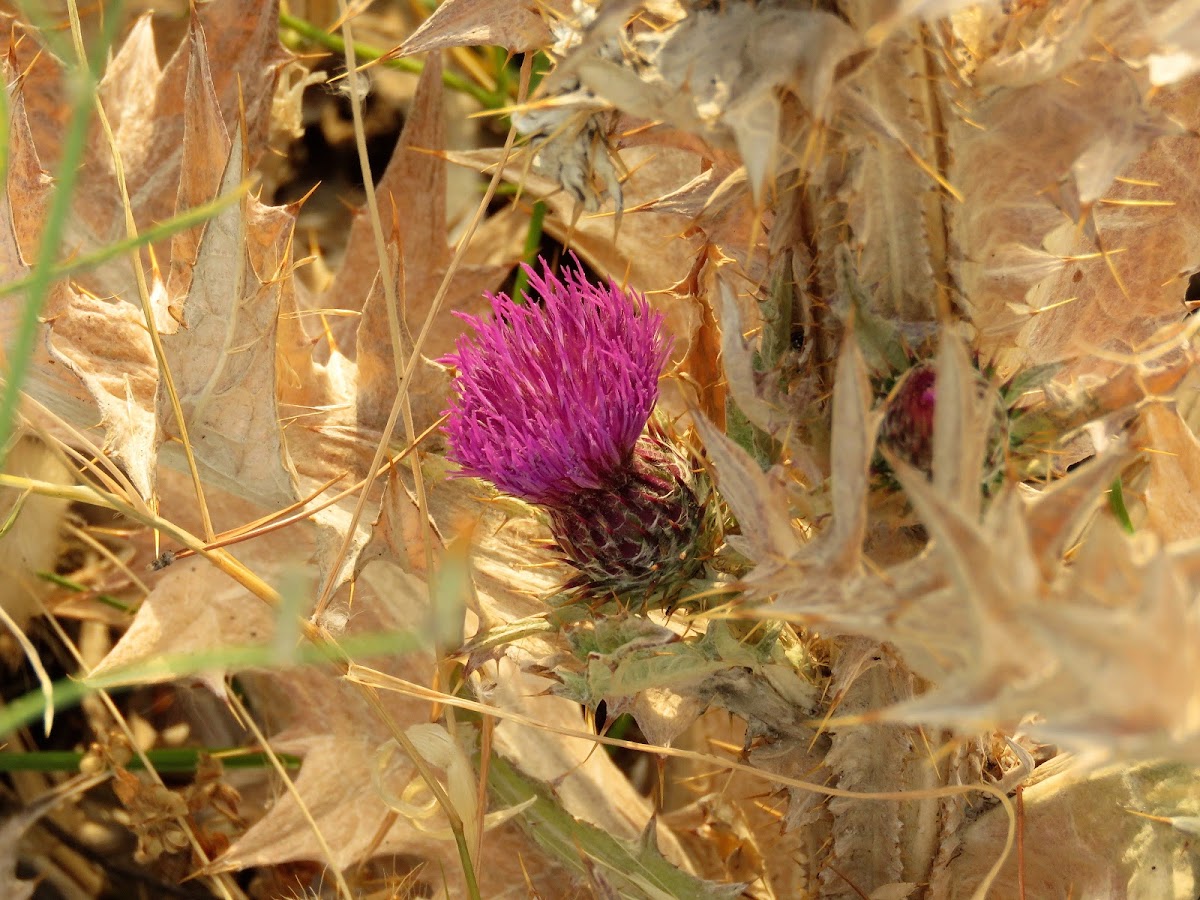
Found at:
(552, 402)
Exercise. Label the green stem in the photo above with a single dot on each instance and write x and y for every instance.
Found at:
(166, 760)
(633, 868)
(186, 219)
(67, 692)
(70, 585)
(533, 242)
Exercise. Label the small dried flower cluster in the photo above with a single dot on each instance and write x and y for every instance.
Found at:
(553, 396)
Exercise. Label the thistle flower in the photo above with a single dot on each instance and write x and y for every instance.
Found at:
(552, 401)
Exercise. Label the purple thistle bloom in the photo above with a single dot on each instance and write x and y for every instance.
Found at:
(553, 393)
(552, 401)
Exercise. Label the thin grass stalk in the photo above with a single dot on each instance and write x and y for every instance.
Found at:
(174, 760)
(25, 710)
(392, 303)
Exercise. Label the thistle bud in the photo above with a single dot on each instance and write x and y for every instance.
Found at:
(907, 427)
(647, 529)
(552, 399)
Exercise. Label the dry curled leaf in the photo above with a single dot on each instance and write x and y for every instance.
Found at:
(517, 27)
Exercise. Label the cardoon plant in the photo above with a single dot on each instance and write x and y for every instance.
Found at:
(552, 404)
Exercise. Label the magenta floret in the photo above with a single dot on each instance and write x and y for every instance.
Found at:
(552, 394)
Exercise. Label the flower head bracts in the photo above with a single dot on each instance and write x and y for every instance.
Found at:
(553, 393)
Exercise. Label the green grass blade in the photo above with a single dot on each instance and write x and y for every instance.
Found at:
(67, 692)
(630, 868)
(1116, 503)
(185, 220)
(533, 241)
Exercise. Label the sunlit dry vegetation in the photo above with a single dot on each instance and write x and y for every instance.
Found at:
(814, 515)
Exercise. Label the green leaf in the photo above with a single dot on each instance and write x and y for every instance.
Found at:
(880, 339)
(757, 443)
(633, 869)
(1116, 503)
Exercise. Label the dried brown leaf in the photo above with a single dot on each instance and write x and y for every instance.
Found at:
(894, 208)
(156, 124)
(737, 354)
(1129, 660)
(853, 445)
(398, 528)
(979, 629)
(411, 197)
(766, 526)
(206, 147)
(105, 347)
(719, 73)
(870, 839)
(1171, 511)
(1078, 827)
(222, 359)
(1021, 152)
(584, 780)
(28, 183)
(1058, 514)
(412, 207)
(517, 27)
(193, 608)
(649, 251)
(823, 581)
(962, 426)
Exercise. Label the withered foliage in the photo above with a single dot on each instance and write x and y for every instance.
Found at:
(823, 200)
